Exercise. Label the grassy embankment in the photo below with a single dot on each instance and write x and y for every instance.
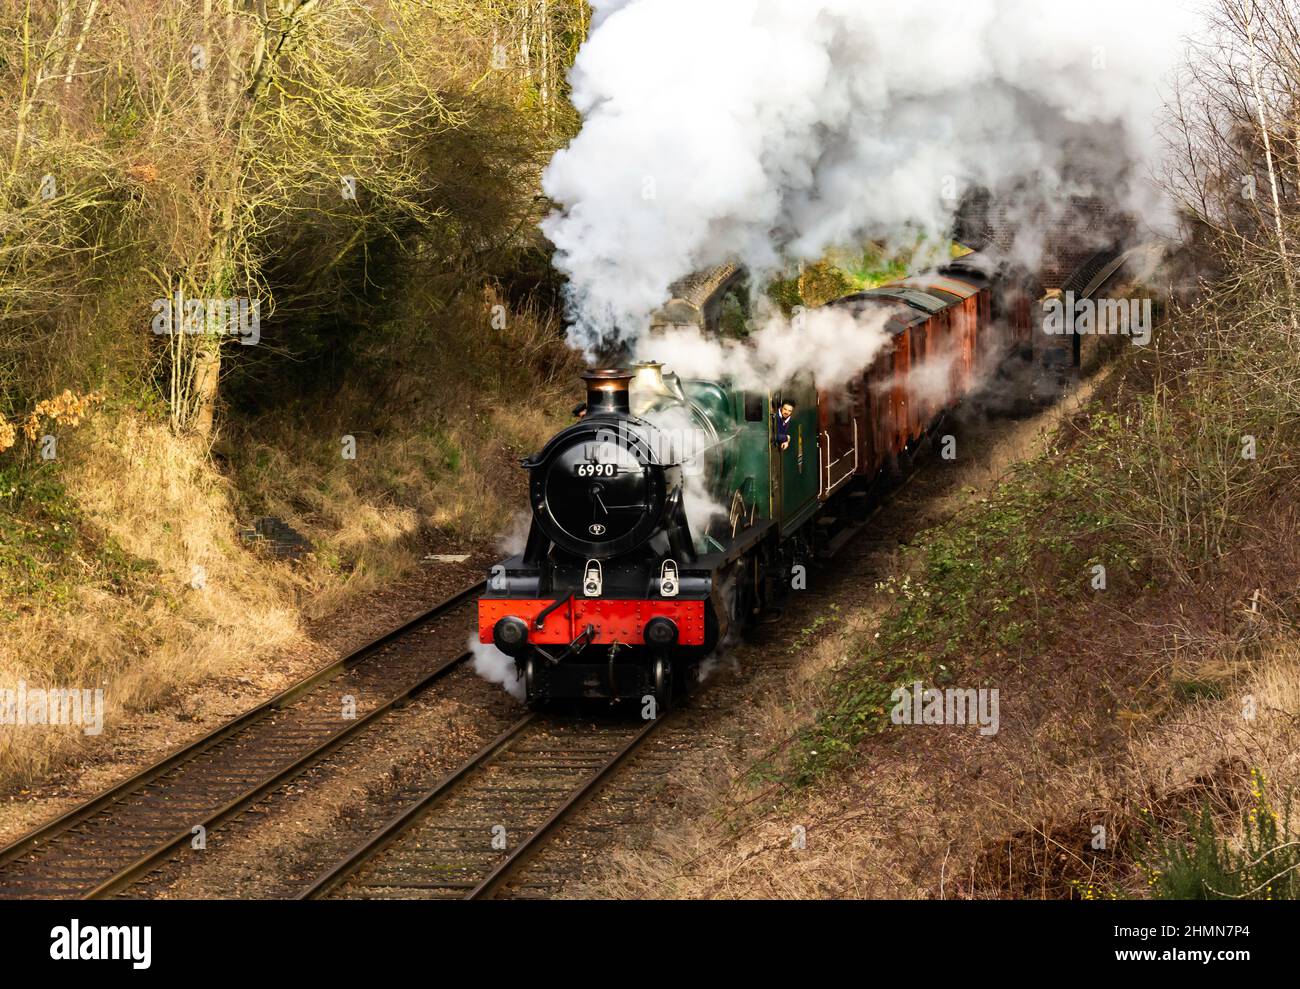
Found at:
(415, 315)
(1148, 723)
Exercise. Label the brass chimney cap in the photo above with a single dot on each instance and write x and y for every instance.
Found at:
(607, 390)
(609, 376)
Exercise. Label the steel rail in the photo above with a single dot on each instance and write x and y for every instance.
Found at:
(497, 876)
(60, 825)
(169, 846)
(378, 841)
(405, 821)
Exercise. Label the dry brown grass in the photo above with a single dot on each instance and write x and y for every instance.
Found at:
(441, 462)
(368, 517)
(437, 453)
(950, 816)
(157, 497)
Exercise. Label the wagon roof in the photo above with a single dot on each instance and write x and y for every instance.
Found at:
(902, 315)
(929, 301)
(942, 285)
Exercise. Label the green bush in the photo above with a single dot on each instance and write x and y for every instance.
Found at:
(1206, 866)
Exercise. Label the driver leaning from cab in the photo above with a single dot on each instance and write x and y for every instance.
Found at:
(783, 416)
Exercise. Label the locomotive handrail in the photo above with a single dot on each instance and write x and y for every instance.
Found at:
(736, 512)
(829, 486)
(821, 480)
(540, 620)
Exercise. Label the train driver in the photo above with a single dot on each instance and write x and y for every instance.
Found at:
(783, 416)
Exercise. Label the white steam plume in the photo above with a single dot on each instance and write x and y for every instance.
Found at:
(494, 666)
(767, 131)
(832, 343)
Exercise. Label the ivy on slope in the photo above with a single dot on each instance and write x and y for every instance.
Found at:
(990, 585)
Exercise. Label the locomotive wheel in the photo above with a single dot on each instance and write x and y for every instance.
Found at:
(761, 592)
(755, 580)
(663, 685)
(530, 684)
(743, 595)
(906, 463)
(893, 472)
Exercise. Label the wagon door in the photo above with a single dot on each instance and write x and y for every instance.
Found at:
(839, 437)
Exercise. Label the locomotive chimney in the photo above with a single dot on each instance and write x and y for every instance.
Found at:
(607, 391)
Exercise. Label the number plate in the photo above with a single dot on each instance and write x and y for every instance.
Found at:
(595, 470)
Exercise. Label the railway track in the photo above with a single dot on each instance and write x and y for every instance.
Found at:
(101, 847)
(477, 831)
(468, 835)
(472, 835)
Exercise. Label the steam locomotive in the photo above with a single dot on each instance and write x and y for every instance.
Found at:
(619, 593)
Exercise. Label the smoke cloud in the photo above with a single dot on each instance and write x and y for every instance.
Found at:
(767, 131)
